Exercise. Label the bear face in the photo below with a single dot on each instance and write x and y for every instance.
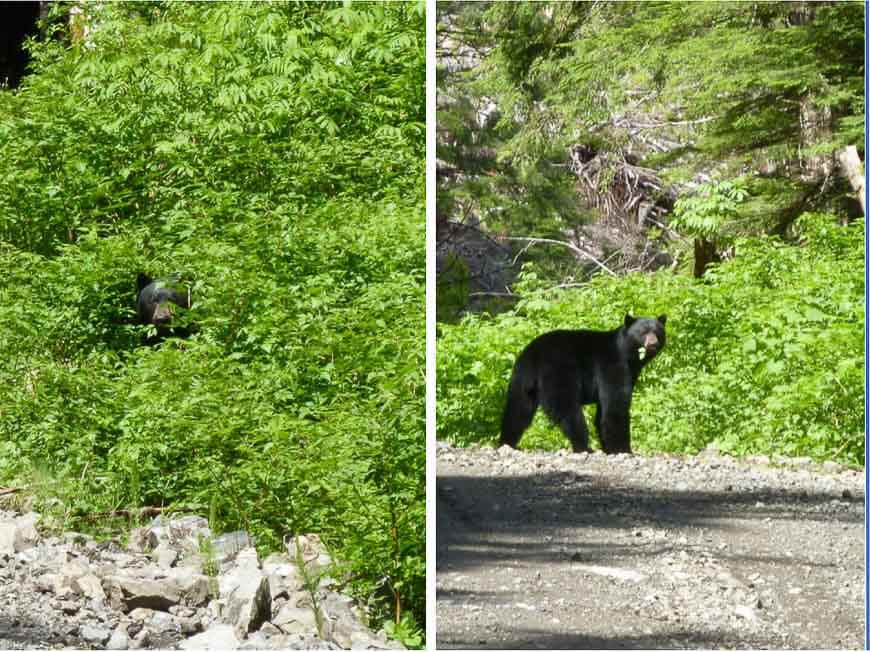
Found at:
(644, 336)
(155, 300)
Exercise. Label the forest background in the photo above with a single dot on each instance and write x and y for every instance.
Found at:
(702, 160)
(273, 156)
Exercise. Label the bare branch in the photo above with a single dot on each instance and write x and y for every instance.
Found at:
(492, 294)
(141, 512)
(577, 250)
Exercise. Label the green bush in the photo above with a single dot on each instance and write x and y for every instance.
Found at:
(273, 154)
(764, 355)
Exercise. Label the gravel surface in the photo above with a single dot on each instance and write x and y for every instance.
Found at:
(587, 551)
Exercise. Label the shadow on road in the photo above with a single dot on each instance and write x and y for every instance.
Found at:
(493, 514)
(542, 640)
(488, 525)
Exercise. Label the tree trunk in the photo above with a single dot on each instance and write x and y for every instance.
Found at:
(705, 253)
(815, 128)
(851, 165)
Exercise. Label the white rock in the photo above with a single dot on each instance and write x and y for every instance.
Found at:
(217, 637)
(118, 641)
(245, 590)
(745, 612)
(283, 575)
(94, 635)
(607, 571)
(295, 620)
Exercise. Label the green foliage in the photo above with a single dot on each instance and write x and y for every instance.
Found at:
(452, 292)
(503, 185)
(706, 212)
(406, 631)
(746, 66)
(273, 154)
(765, 355)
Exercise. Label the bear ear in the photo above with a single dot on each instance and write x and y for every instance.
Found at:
(143, 281)
(629, 320)
(662, 319)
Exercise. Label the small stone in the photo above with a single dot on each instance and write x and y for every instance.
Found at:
(268, 629)
(141, 640)
(165, 555)
(118, 640)
(163, 621)
(745, 612)
(218, 637)
(140, 614)
(190, 624)
(94, 635)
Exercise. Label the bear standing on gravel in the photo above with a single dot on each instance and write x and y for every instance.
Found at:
(565, 370)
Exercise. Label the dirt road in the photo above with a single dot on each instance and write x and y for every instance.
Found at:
(556, 550)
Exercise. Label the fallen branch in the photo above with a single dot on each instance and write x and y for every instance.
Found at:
(577, 250)
(10, 490)
(492, 294)
(672, 123)
(562, 286)
(142, 512)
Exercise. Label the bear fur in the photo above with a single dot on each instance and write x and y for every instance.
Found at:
(564, 370)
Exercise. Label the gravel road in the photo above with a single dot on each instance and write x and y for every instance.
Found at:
(562, 550)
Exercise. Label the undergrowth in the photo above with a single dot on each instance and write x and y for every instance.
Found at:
(764, 355)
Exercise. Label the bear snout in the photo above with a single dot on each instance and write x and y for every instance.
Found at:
(651, 343)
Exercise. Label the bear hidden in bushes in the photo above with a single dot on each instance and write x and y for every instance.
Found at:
(565, 370)
(154, 305)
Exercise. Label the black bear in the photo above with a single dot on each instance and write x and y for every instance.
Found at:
(154, 305)
(565, 370)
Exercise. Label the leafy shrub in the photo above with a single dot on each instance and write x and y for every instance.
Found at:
(273, 154)
(764, 355)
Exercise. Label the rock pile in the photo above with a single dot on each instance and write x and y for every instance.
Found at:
(173, 586)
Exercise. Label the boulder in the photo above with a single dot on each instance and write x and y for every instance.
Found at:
(284, 576)
(296, 620)
(118, 640)
(18, 534)
(226, 546)
(244, 591)
(178, 586)
(260, 641)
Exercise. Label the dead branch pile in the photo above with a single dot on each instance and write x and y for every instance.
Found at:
(621, 190)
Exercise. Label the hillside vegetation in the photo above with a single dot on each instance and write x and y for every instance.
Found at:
(272, 155)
